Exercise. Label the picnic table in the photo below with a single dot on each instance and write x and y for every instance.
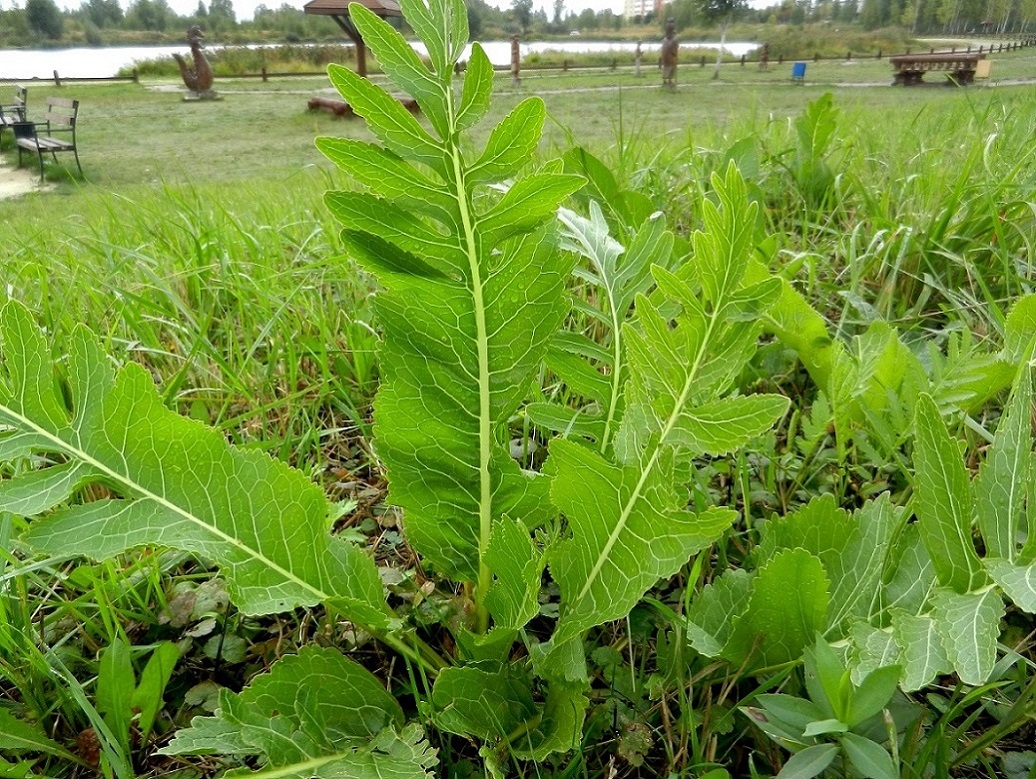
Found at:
(959, 67)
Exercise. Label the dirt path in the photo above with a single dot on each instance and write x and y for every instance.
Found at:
(15, 182)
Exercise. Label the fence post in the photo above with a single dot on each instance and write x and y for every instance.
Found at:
(703, 60)
(742, 60)
(136, 76)
(57, 79)
(816, 56)
(931, 50)
(780, 59)
(615, 63)
(848, 55)
(564, 65)
(879, 54)
(953, 49)
(264, 74)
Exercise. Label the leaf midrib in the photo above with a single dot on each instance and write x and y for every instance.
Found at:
(485, 438)
(81, 455)
(649, 467)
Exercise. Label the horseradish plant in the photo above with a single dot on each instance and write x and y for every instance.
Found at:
(894, 585)
(473, 269)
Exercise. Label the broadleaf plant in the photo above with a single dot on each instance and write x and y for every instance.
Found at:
(913, 594)
(171, 482)
(343, 723)
(472, 293)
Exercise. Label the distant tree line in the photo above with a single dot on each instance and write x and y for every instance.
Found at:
(100, 22)
(919, 17)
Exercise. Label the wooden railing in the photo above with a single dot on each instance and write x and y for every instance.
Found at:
(1011, 43)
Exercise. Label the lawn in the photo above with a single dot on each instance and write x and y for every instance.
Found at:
(145, 134)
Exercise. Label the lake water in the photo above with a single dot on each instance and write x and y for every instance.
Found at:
(106, 61)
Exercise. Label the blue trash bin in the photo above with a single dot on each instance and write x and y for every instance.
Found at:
(798, 71)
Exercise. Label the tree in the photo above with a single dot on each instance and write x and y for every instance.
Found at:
(474, 22)
(222, 10)
(559, 9)
(522, 10)
(103, 13)
(1027, 11)
(587, 19)
(722, 11)
(880, 13)
(13, 26)
(147, 15)
(44, 18)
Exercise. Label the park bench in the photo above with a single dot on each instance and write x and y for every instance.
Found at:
(13, 112)
(959, 67)
(57, 132)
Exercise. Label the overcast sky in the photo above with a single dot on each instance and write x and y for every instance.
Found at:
(245, 9)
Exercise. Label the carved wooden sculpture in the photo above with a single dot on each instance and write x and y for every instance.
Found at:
(516, 61)
(670, 54)
(199, 77)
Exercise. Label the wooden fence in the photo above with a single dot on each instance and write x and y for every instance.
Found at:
(1013, 43)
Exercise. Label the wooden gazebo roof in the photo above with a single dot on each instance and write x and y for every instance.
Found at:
(339, 11)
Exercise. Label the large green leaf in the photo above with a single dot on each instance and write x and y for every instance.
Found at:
(615, 275)
(710, 620)
(627, 517)
(627, 513)
(944, 502)
(969, 624)
(498, 705)
(628, 531)
(1004, 476)
(518, 568)
(922, 654)
(852, 548)
(773, 628)
(471, 294)
(262, 522)
(315, 714)
(1017, 581)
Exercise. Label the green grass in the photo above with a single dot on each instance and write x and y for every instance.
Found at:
(136, 134)
(196, 212)
(199, 242)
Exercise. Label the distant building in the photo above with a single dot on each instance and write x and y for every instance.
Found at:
(635, 8)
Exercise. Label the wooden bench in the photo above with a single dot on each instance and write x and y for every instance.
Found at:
(57, 132)
(959, 67)
(13, 112)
